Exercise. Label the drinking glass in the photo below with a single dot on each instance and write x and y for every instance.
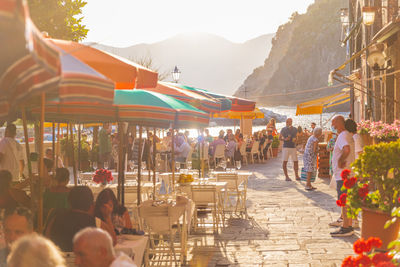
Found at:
(132, 165)
(238, 164)
(189, 165)
(177, 166)
(143, 165)
(106, 165)
(118, 223)
(223, 164)
(94, 165)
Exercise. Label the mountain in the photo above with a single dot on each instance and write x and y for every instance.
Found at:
(205, 60)
(304, 51)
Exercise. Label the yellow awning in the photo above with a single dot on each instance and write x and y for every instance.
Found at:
(317, 106)
(256, 114)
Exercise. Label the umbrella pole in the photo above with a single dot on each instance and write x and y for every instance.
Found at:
(41, 166)
(173, 157)
(56, 153)
(28, 153)
(27, 148)
(53, 143)
(121, 169)
(73, 155)
(139, 165)
(79, 146)
(154, 164)
(148, 155)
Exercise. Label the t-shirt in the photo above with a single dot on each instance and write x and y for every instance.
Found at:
(344, 139)
(66, 224)
(285, 132)
(13, 154)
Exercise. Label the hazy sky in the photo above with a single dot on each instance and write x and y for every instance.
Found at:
(125, 22)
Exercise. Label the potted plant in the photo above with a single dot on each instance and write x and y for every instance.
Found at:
(375, 190)
(275, 146)
(364, 129)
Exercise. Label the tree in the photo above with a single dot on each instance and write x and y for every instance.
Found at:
(61, 19)
(148, 62)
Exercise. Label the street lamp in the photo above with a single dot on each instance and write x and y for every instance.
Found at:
(368, 14)
(176, 73)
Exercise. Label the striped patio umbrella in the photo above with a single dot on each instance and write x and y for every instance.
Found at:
(238, 104)
(29, 65)
(256, 114)
(226, 104)
(125, 73)
(148, 108)
(202, 102)
(84, 94)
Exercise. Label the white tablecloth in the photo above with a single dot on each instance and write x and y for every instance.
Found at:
(128, 175)
(132, 245)
(242, 175)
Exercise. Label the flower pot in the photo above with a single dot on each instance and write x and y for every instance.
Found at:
(367, 140)
(373, 224)
(275, 151)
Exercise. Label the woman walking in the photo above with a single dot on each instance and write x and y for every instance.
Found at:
(310, 157)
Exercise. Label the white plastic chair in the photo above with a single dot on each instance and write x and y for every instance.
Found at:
(243, 152)
(255, 151)
(205, 197)
(236, 190)
(219, 153)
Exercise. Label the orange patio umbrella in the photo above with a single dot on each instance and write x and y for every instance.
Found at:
(125, 73)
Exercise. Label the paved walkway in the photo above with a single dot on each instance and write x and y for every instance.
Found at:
(288, 226)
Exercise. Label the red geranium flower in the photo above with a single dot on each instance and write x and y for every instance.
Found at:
(345, 174)
(361, 246)
(374, 242)
(381, 257)
(363, 191)
(342, 200)
(348, 262)
(398, 200)
(362, 260)
(385, 264)
(349, 183)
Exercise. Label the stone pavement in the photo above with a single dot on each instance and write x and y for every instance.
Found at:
(288, 226)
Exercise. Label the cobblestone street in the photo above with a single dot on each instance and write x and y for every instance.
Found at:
(287, 226)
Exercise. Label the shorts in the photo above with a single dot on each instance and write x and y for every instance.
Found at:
(339, 185)
(289, 152)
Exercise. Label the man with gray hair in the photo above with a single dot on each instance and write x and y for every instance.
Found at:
(343, 156)
(17, 222)
(93, 247)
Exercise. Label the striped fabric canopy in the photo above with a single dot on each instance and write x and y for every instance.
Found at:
(82, 84)
(125, 73)
(226, 104)
(317, 106)
(147, 108)
(28, 63)
(237, 103)
(84, 94)
(202, 102)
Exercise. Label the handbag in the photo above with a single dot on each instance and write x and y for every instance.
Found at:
(303, 176)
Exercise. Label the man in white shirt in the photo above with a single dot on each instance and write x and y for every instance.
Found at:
(93, 247)
(343, 156)
(182, 149)
(11, 153)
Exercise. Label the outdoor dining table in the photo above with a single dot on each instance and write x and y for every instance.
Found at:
(242, 175)
(133, 246)
(145, 187)
(128, 175)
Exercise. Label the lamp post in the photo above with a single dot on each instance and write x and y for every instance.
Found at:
(176, 73)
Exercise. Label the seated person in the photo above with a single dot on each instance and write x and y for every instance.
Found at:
(56, 196)
(17, 222)
(230, 148)
(119, 213)
(11, 197)
(215, 143)
(50, 155)
(65, 223)
(182, 149)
